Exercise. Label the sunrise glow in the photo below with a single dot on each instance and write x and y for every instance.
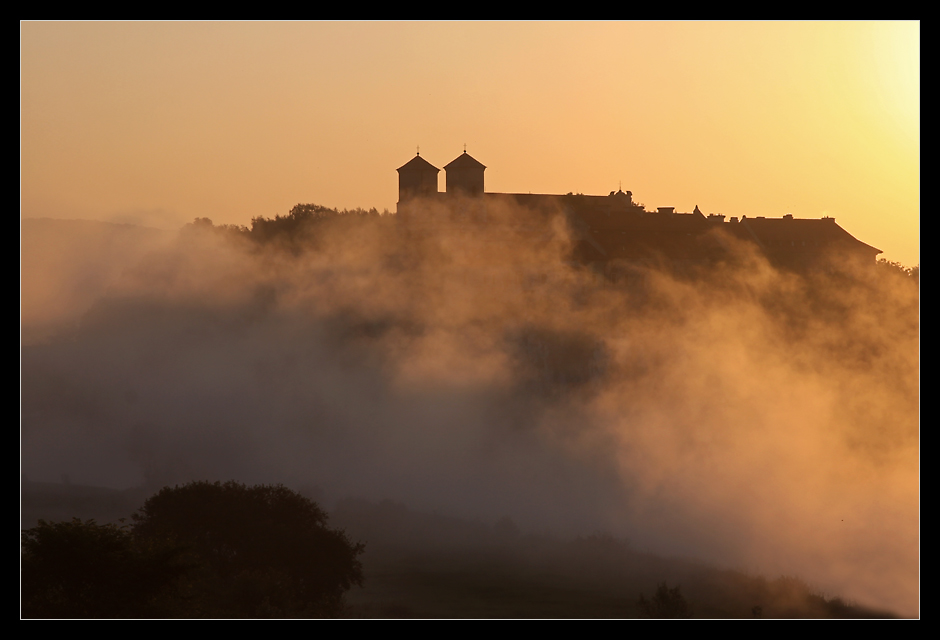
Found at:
(160, 123)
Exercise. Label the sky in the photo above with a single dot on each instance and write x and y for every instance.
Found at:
(158, 123)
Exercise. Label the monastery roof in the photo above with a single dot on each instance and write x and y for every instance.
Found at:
(795, 230)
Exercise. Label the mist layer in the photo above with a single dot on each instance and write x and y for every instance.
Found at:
(737, 413)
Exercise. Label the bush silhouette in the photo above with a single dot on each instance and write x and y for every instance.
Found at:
(87, 570)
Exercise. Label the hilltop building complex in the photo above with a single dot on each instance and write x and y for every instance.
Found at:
(614, 227)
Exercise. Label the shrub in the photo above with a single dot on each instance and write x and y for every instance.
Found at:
(87, 570)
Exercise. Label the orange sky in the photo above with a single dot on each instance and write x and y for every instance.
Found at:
(159, 123)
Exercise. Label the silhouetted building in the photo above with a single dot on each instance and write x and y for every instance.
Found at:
(613, 227)
(416, 178)
(464, 175)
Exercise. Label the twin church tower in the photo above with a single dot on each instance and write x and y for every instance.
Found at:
(418, 178)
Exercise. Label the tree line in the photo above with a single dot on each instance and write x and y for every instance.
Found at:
(300, 228)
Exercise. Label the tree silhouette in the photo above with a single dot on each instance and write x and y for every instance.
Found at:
(666, 603)
(262, 551)
(200, 550)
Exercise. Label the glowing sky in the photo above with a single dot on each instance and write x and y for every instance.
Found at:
(159, 123)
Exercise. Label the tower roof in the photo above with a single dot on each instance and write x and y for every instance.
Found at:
(464, 161)
(418, 164)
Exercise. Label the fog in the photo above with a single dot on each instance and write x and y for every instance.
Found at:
(745, 416)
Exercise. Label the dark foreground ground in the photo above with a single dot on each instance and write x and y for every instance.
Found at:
(420, 565)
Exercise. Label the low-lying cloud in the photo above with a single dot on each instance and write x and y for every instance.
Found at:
(745, 416)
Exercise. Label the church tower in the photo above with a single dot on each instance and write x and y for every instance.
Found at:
(416, 178)
(464, 175)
